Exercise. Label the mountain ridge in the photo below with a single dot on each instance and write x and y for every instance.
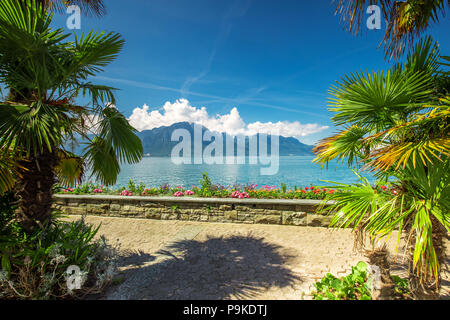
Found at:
(157, 142)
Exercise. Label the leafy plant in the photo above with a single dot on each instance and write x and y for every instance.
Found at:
(401, 287)
(351, 287)
(395, 124)
(405, 20)
(44, 74)
(136, 189)
(205, 183)
(34, 265)
(7, 208)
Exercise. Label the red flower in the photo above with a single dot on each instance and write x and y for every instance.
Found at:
(383, 187)
(306, 188)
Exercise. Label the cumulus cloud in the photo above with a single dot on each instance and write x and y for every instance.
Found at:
(230, 123)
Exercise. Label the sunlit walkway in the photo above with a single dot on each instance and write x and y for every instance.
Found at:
(194, 260)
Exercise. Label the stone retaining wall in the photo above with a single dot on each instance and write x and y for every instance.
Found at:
(266, 211)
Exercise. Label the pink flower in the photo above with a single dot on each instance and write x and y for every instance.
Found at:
(178, 194)
(237, 194)
(68, 190)
(126, 193)
(189, 192)
(98, 190)
(394, 192)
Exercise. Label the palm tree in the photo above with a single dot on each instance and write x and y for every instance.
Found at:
(396, 124)
(88, 7)
(405, 20)
(40, 119)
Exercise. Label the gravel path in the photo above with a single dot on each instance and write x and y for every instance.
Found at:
(194, 260)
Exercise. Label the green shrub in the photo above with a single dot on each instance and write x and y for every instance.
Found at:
(134, 188)
(35, 266)
(401, 287)
(351, 287)
(7, 208)
(206, 184)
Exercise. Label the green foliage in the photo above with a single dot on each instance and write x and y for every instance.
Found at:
(351, 287)
(45, 73)
(34, 266)
(205, 183)
(207, 189)
(396, 124)
(134, 188)
(401, 287)
(7, 208)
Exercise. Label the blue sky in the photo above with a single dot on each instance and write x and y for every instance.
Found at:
(270, 60)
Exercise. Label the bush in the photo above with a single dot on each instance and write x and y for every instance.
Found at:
(36, 266)
(205, 183)
(134, 188)
(351, 287)
(7, 208)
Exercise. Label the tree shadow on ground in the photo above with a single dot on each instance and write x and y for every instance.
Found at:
(218, 268)
(136, 258)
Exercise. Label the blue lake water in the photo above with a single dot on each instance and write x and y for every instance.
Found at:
(293, 170)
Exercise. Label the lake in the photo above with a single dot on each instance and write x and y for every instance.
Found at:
(293, 170)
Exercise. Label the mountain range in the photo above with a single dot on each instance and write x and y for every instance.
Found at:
(157, 142)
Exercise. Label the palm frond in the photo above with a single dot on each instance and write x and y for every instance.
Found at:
(353, 204)
(347, 144)
(116, 131)
(102, 161)
(377, 100)
(405, 20)
(70, 168)
(31, 128)
(87, 7)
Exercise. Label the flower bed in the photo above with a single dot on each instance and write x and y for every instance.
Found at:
(208, 189)
(217, 191)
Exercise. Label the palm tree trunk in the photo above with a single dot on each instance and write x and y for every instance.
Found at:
(429, 289)
(34, 190)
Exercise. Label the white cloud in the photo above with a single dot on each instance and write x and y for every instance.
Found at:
(231, 123)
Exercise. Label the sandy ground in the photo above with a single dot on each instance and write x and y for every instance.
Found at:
(194, 260)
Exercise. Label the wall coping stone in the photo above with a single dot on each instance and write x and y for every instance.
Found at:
(192, 199)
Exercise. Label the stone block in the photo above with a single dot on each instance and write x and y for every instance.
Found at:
(294, 218)
(267, 219)
(115, 207)
(169, 216)
(230, 215)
